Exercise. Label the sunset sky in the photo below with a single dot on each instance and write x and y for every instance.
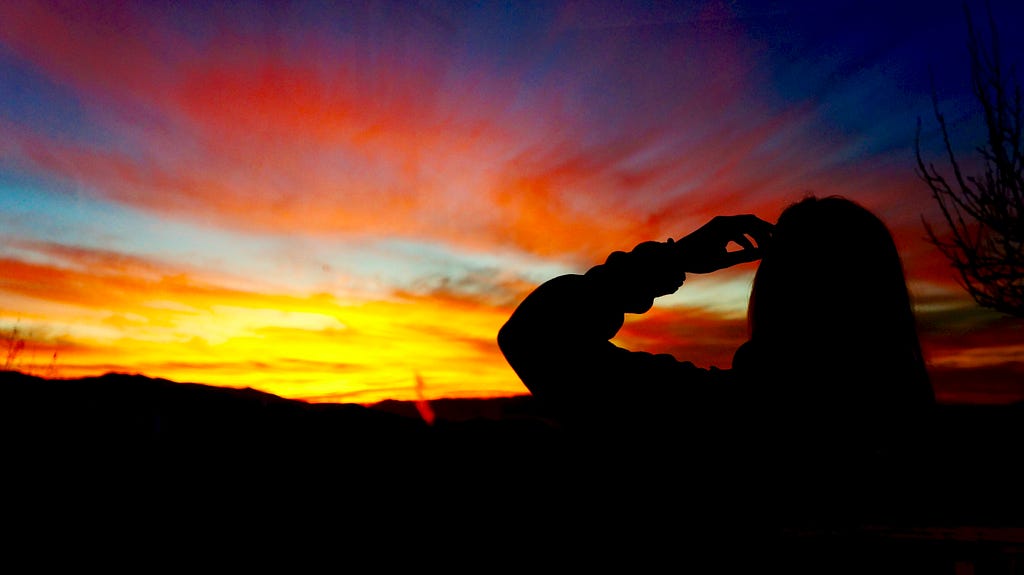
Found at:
(336, 201)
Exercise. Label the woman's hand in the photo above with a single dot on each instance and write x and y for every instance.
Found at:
(706, 250)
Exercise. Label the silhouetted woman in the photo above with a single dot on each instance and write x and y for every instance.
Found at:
(819, 421)
(832, 360)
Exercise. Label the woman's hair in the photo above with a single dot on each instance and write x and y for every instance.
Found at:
(830, 314)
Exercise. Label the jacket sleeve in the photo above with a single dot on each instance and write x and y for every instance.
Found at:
(558, 339)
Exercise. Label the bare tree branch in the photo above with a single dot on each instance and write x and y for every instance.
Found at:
(984, 214)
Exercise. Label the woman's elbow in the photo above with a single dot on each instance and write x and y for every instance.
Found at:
(510, 342)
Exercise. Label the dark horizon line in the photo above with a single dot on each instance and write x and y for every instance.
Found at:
(959, 398)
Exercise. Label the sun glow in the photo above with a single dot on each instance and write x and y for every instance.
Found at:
(317, 351)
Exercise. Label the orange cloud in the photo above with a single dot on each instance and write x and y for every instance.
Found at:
(396, 130)
(689, 334)
(396, 136)
(189, 327)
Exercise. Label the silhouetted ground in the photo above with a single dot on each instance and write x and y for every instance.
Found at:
(500, 469)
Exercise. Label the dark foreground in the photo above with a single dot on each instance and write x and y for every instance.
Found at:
(500, 475)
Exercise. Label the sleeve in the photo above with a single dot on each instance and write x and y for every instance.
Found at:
(558, 339)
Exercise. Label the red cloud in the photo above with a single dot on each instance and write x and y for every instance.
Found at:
(703, 337)
(397, 135)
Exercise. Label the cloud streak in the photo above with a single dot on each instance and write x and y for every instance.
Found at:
(298, 130)
(377, 184)
(169, 322)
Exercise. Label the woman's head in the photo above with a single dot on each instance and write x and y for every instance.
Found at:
(830, 300)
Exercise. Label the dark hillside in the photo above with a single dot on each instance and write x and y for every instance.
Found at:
(493, 464)
(131, 411)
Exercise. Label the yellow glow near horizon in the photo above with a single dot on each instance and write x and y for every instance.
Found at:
(360, 353)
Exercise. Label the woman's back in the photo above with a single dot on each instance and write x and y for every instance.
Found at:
(832, 327)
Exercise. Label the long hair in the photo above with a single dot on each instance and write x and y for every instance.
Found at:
(830, 314)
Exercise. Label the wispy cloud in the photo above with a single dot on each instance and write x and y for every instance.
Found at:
(164, 321)
(356, 193)
(288, 128)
